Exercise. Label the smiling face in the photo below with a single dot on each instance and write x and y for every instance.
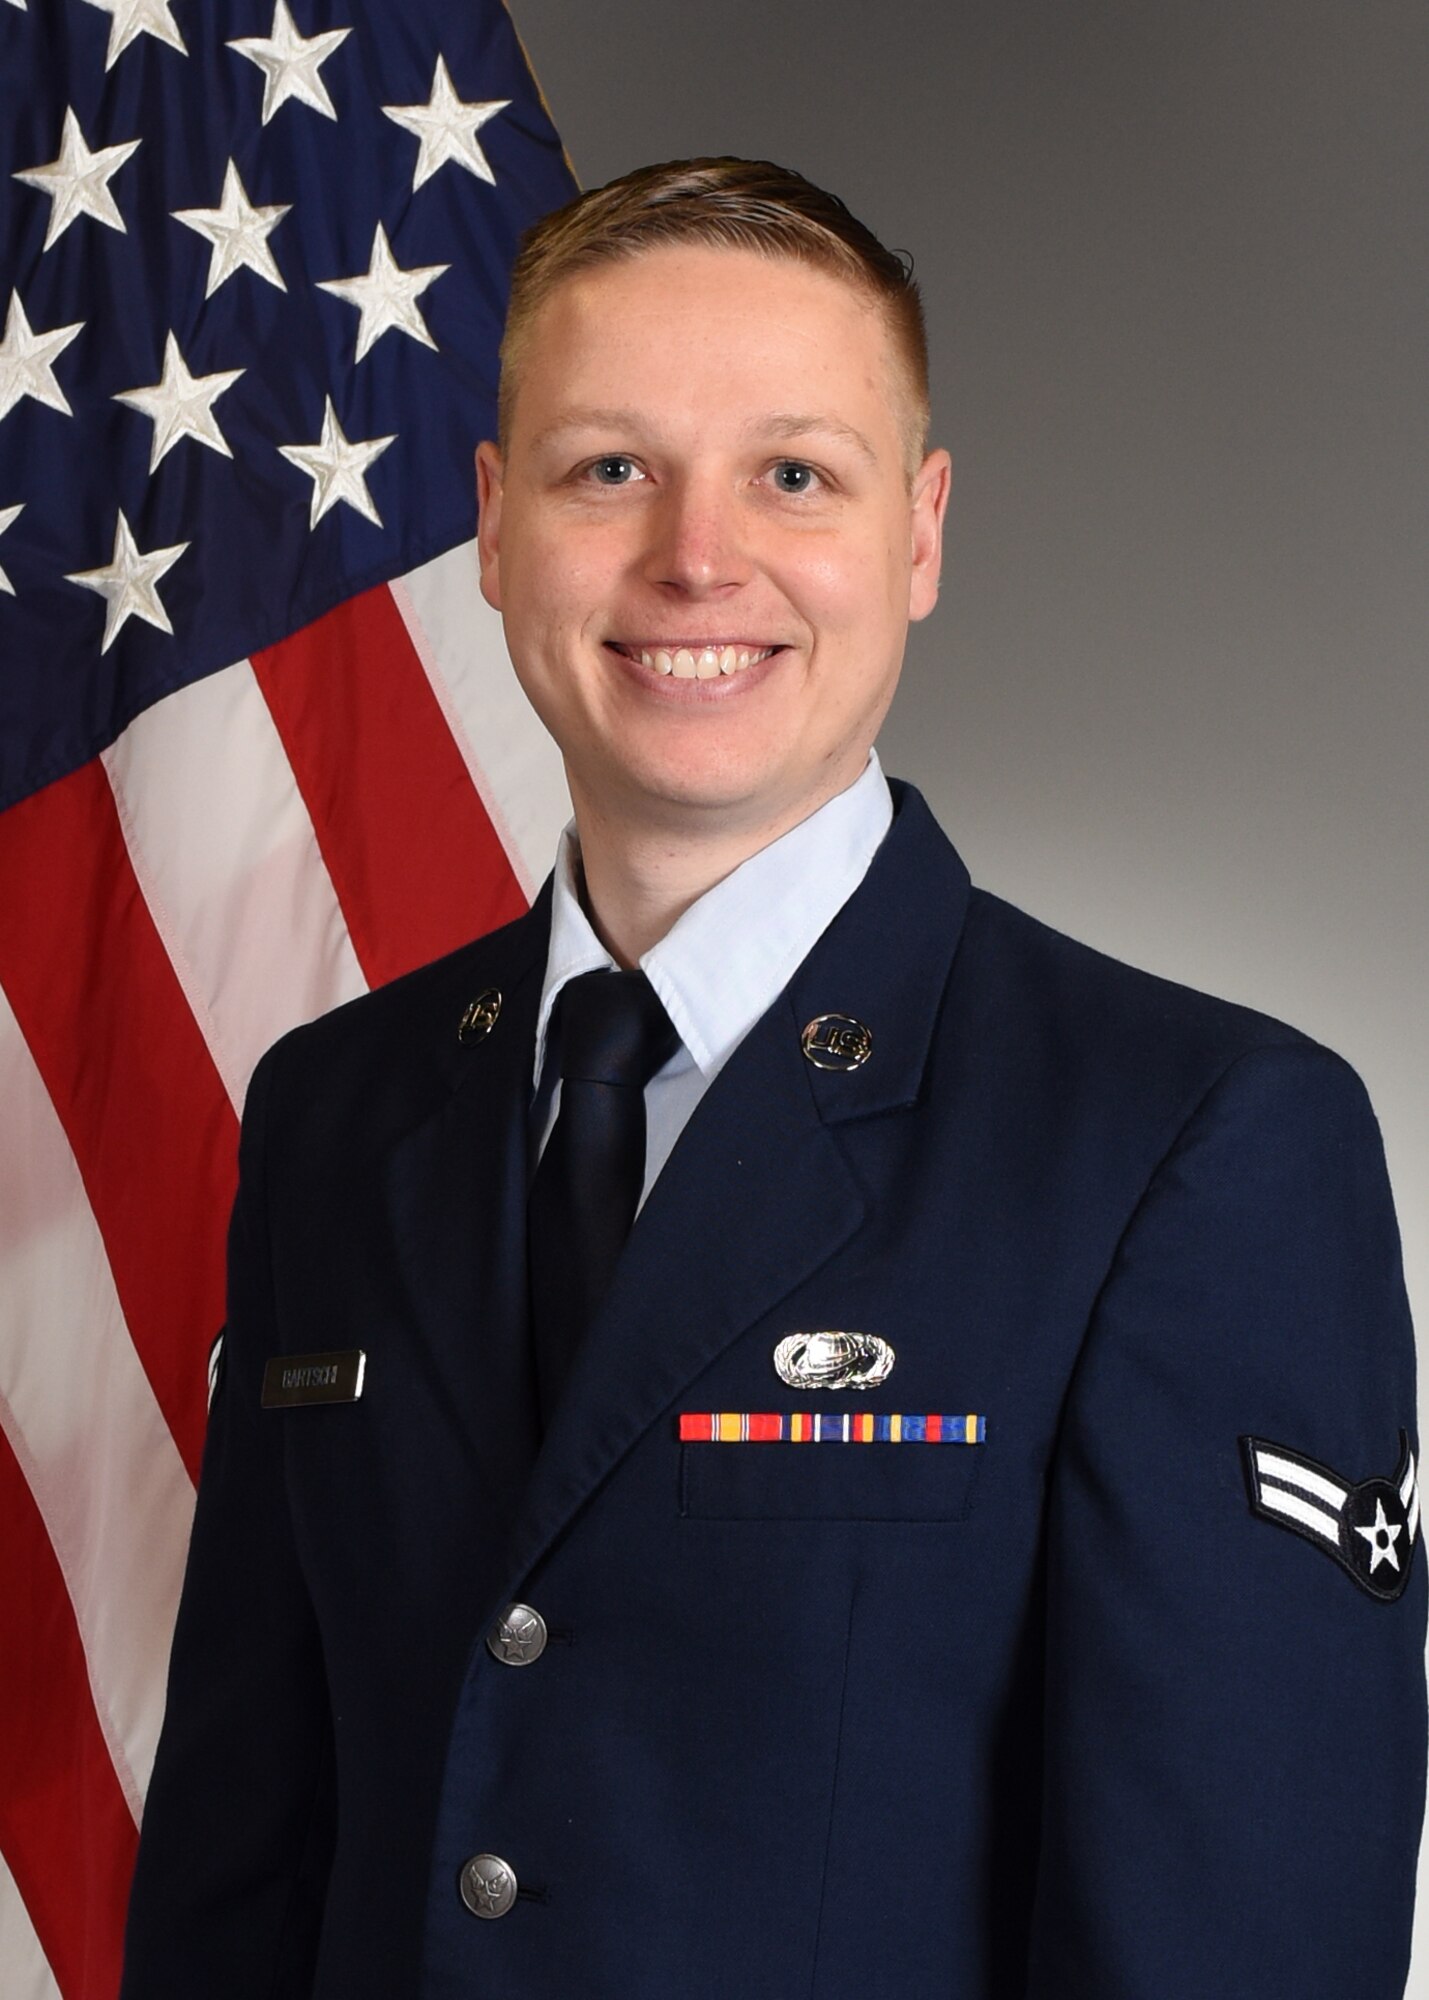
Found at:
(703, 538)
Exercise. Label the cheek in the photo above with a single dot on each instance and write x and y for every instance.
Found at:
(553, 588)
(844, 590)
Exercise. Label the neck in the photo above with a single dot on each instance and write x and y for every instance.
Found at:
(640, 878)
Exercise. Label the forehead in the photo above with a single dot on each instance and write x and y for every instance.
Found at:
(692, 329)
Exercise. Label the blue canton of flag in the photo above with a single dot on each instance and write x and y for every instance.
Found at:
(254, 274)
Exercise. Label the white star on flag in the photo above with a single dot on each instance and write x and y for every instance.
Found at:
(336, 468)
(387, 296)
(290, 63)
(1381, 1551)
(27, 361)
(18, 3)
(181, 404)
(447, 129)
(132, 18)
(129, 583)
(8, 517)
(239, 234)
(77, 183)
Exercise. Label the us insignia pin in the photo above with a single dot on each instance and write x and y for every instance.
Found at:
(480, 1017)
(1369, 1529)
(833, 1360)
(837, 1042)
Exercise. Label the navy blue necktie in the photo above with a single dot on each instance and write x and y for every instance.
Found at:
(614, 1035)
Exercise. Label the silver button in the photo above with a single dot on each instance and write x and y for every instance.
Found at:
(518, 1636)
(488, 1885)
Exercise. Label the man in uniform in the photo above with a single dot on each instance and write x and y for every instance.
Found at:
(784, 1429)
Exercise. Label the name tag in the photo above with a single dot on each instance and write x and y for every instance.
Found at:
(290, 1380)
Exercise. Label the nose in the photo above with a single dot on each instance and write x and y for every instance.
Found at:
(696, 544)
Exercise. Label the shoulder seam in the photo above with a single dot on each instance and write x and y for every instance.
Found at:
(1297, 1046)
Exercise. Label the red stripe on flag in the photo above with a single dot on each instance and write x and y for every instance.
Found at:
(130, 1077)
(65, 1829)
(413, 856)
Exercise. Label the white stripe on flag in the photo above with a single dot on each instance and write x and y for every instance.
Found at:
(82, 1418)
(27, 1973)
(1409, 1494)
(225, 853)
(1304, 1511)
(1271, 1466)
(513, 763)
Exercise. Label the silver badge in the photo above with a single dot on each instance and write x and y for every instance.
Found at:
(833, 1360)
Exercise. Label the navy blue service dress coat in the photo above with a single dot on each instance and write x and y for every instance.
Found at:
(1088, 1710)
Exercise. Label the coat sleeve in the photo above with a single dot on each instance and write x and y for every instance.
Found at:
(234, 1846)
(1234, 1723)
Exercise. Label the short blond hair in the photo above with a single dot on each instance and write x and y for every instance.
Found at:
(729, 204)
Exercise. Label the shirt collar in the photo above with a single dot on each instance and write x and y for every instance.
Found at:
(733, 952)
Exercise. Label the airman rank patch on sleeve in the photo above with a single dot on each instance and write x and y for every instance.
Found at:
(1370, 1529)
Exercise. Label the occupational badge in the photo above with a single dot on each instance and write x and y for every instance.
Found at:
(1369, 1529)
(833, 1360)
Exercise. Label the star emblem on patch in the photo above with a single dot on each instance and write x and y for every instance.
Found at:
(1368, 1527)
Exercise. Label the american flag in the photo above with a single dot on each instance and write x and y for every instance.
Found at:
(260, 748)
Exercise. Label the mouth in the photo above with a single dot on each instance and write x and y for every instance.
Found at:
(694, 660)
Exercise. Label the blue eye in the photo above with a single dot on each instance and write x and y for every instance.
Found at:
(791, 475)
(616, 470)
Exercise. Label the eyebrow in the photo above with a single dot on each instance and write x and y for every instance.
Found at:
(796, 426)
(586, 420)
(782, 425)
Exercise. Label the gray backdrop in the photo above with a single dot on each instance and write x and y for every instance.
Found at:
(1176, 697)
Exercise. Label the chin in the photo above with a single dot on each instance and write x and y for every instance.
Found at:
(676, 790)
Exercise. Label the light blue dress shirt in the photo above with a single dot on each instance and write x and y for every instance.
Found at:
(726, 960)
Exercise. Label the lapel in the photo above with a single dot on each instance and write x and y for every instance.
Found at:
(456, 1194)
(757, 1193)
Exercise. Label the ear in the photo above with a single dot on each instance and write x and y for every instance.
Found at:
(931, 487)
(488, 520)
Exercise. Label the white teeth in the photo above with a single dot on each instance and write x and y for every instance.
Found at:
(704, 663)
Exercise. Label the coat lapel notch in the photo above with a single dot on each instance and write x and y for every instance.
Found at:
(885, 962)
